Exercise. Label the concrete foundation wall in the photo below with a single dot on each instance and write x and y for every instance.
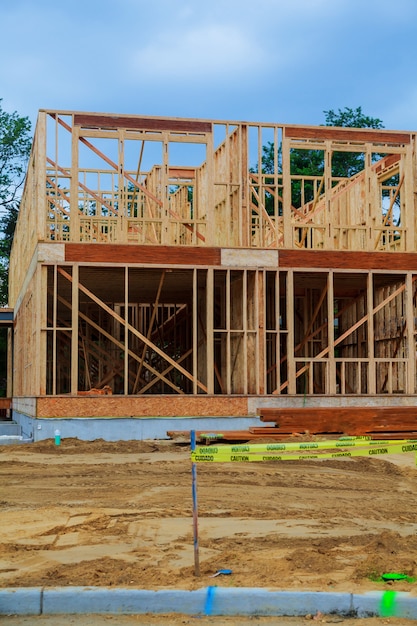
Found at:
(125, 429)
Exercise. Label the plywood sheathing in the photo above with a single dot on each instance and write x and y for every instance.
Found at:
(146, 406)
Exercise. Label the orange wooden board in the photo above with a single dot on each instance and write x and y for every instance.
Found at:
(140, 407)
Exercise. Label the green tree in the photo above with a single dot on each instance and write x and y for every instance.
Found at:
(15, 145)
(310, 163)
(347, 164)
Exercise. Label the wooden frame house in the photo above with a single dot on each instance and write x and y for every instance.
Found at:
(166, 268)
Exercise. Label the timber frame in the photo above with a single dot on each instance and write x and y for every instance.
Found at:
(163, 260)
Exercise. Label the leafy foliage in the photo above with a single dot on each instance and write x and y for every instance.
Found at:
(310, 163)
(15, 145)
(351, 118)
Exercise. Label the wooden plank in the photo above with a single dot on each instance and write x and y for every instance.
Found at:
(75, 329)
(348, 420)
(141, 123)
(359, 412)
(370, 333)
(386, 162)
(347, 259)
(247, 435)
(155, 255)
(346, 134)
(263, 429)
(175, 171)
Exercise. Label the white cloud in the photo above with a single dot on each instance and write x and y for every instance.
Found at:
(201, 52)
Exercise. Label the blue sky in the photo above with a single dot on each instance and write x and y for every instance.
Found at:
(258, 60)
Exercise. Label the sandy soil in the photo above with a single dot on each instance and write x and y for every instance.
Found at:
(120, 514)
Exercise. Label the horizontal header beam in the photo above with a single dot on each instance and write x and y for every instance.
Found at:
(142, 123)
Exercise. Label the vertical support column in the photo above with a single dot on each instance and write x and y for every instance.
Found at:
(244, 188)
(245, 330)
(75, 234)
(40, 205)
(227, 180)
(210, 332)
(409, 204)
(126, 317)
(209, 194)
(278, 330)
(261, 334)
(74, 329)
(41, 340)
(121, 231)
(411, 345)
(371, 350)
(331, 374)
(165, 234)
(228, 353)
(259, 231)
(9, 376)
(371, 219)
(195, 331)
(54, 354)
(286, 192)
(329, 240)
(291, 370)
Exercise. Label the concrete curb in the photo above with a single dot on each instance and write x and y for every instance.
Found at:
(207, 601)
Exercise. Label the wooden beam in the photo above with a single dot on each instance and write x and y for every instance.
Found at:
(86, 120)
(346, 259)
(346, 134)
(154, 255)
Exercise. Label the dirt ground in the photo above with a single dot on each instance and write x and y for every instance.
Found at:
(180, 620)
(120, 514)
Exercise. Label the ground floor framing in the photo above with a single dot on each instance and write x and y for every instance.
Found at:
(138, 333)
(216, 323)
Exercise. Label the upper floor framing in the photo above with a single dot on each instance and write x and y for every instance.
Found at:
(138, 180)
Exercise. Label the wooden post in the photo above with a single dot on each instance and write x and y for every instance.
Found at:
(195, 331)
(331, 373)
(371, 348)
(291, 367)
(410, 336)
(74, 329)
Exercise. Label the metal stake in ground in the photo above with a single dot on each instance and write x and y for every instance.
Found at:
(195, 508)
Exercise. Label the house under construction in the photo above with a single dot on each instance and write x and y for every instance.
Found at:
(181, 268)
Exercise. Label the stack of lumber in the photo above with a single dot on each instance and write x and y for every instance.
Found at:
(375, 422)
(378, 422)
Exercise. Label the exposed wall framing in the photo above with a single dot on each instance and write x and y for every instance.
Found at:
(165, 257)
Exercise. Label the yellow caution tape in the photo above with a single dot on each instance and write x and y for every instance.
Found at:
(302, 446)
(241, 453)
